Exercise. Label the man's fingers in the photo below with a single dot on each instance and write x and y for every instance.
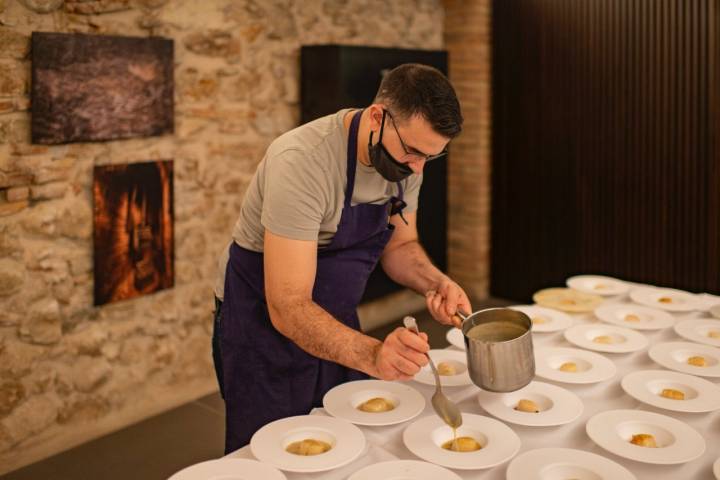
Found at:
(403, 365)
(414, 341)
(436, 302)
(452, 301)
(417, 358)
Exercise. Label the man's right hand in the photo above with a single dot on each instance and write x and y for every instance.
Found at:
(401, 355)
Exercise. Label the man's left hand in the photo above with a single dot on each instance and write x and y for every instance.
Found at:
(444, 302)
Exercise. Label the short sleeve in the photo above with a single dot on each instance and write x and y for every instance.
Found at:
(296, 196)
(412, 192)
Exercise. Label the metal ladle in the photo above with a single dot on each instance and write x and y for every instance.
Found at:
(445, 409)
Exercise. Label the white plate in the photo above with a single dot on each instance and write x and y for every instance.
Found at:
(646, 386)
(624, 340)
(343, 400)
(404, 469)
(269, 443)
(716, 469)
(229, 469)
(677, 442)
(565, 463)
(592, 367)
(557, 406)
(681, 301)
(698, 330)
(674, 355)
(424, 438)
(635, 316)
(456, 338)
(545, 319)
(598, 285)
(457, 359)
(567, 300)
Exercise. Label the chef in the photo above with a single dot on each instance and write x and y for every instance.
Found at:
(330, 200)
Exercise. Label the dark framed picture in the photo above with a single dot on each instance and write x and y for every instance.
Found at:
(133, 230)
(88, 88)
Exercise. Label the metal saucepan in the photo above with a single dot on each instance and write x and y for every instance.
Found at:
(500, 366)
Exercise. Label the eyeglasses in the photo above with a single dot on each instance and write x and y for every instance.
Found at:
(412, 155)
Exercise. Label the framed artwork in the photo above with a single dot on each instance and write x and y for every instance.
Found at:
(88, 88)
(133, 230)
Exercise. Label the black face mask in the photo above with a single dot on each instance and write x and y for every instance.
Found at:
(389, 168)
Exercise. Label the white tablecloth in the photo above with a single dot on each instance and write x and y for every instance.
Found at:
(385, 443)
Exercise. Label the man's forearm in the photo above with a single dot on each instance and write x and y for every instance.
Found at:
(410, 266)
(318, 333)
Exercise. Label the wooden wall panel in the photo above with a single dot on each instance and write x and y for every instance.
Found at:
(605, 153)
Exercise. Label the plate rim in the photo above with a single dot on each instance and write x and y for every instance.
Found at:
(625, 286)
(572, 401)
(657, 353)
(638, 415)
(381, 384)
(670, 320)
(434, 419)
(242, 462)
(600, 347)
(448, 335)
(450, 475)
(565, 377)
(425, 371)
(566, 322)
(562, 453)
(697, 339)
(661, 402)
(636, 296)
(352, 428)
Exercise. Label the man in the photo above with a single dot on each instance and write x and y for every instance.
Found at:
(330, 199)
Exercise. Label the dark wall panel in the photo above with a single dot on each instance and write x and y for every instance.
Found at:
(605, 158)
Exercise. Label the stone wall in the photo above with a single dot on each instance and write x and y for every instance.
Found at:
(69, 371)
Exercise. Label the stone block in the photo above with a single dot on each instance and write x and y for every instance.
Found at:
(12, 277)
(13, 44)
(94, 7)
(12, 393)
(14, 179)
(88, 373)
(214, 43)
(12, 80)
(31, 417)
(18, 358)
(16, 194)
(43, 324)
(84, 408)
(48, 191)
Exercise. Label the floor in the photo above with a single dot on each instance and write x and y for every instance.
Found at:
(159, 446)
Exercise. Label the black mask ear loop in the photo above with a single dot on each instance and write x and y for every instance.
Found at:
(382, 128)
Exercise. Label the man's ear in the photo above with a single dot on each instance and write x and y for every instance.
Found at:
(375, 113)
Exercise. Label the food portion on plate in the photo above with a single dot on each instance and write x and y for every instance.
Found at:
(376, 404)
(308, 447)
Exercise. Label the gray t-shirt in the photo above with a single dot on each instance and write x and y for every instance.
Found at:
(299, 187)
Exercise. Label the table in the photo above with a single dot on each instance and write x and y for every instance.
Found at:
(385, 443)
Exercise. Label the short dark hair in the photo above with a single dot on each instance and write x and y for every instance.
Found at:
(413, 88)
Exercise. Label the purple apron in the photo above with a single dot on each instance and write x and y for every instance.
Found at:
(265, 376)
